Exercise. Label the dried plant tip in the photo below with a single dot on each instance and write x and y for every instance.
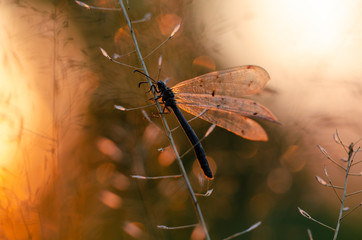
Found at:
(344, 159)
(105, 53)
(178, 227)
(175, 30)
(155, 178)
(345, 209)
(159, 61)
(304, 213)
(82, 4)
(162, 227)
(145, 18)
(336, 138)
(324, 151)
(254, 226)
(161, 149)
(321, 181)
(119, 107)
(207, 194)
(209, 131)
(146, 115)
(243, 232)
(325, 172)
(309, 234)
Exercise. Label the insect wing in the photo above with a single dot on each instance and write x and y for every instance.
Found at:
(229, 113)
(234, 82)
(236, 123)
(242, 106)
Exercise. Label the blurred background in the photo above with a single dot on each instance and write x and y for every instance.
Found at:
(67, 155)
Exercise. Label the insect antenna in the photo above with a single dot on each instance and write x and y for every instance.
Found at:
(144, 74)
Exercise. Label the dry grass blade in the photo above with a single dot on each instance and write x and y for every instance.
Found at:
(115, 61)
(207, 194)
(178, 227)
(310, 234)
(243, 232)
(321, 181)
(306, 215)
(329, 157)
(175, 30)
(155, 178)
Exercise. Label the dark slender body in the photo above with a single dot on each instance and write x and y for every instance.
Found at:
(168, 98)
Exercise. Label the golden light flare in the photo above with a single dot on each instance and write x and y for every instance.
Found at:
(120, 181)
(110, 199)
(153, 134)
(122, 35)
(167, 23)
(109, 148)
(166, 157)
(292, 160)
(198, 233)
(134, 229)
(205, 61)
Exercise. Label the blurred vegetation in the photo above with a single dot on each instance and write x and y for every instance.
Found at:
(91, 194)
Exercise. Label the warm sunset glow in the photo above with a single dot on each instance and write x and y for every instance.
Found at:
(311, 49)
(317, 24)
(10, 123)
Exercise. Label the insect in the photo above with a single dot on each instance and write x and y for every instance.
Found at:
(220, 94)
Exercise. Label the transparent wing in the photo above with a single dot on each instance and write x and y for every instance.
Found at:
(241, 106)
(236, 123)
(235, 82)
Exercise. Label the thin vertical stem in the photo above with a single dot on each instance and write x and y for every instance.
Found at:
(349, 162)
(179, 162)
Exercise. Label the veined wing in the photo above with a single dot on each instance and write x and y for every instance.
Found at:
(235, 123)
(228, 112)
(242, 106)
(234, 82)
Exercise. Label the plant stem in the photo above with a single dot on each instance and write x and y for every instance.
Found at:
(349, 163)
(182, 169)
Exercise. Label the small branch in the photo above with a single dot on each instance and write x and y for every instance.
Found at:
(243, 232)
(329, 157)
(354, 193)
(179, 161)
(115, 61)
(339, 141)
(356, 163)
(310, 234)
(355, 174)
(207, 194)
(351, 155)
(330, 181)
(154, 178)
(324, 183)
(89, 7)
(306, 215)
(355, 208)
(178, 227)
